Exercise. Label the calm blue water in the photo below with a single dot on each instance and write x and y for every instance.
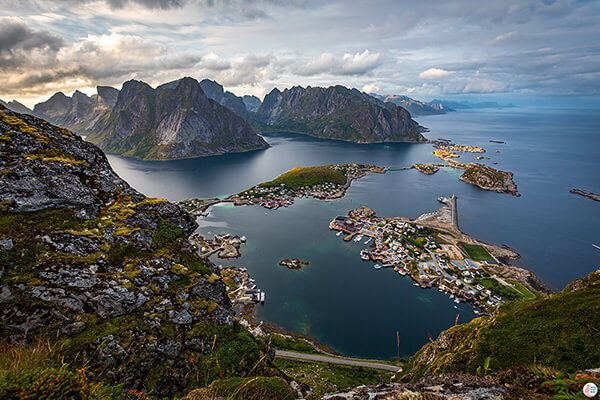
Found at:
(342, 301)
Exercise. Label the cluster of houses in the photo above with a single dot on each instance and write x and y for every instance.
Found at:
(417, 251)
(273, 197)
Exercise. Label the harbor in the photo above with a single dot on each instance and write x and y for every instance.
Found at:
(433, 252)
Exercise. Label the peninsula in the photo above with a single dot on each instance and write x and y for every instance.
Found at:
(435, 253)
(326, 182)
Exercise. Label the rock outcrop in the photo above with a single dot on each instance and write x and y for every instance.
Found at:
(175, 120)
(88, 260)
(488, 178)
(337, 113)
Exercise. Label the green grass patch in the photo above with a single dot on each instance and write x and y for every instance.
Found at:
(308, 176)
(496, 287)
(292, 344)
(477, 252)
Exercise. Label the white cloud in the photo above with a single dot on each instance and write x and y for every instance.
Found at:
(432, 73)
(359, 63)
(370, 88)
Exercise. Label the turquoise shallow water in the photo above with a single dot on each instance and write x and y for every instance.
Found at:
(341, 300)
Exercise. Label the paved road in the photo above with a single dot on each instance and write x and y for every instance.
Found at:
(344, 361)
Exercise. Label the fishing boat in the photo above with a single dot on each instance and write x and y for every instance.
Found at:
(377, 266)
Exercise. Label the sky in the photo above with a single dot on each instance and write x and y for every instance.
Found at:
(516, 51)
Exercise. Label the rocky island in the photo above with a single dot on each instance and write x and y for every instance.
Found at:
(488, 178)
(583, 193)
(427, 169)
(293, 263)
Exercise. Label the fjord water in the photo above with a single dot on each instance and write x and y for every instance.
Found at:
(341, 300)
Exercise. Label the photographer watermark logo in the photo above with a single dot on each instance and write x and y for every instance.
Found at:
(590, 389)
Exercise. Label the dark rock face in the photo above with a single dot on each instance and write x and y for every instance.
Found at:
(79, 177)
(252, 103)
(215, 91)
(337, 113)
(84, 254)
(175, 120)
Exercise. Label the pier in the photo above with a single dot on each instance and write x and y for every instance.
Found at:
(454, 211)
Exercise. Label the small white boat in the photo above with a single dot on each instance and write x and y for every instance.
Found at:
(451, 296)
(377, 266)
(368, 240)
(358, 238)
(243, 239)
(339, 233)
(262, 297)
(364, 254)
(416, 284)
(456, 300)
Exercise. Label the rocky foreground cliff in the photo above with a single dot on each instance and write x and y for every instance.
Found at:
(339, 113)
(105, 273)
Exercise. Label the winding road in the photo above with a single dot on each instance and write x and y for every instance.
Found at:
(335, 360)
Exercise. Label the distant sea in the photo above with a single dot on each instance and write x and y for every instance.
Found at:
(341, 300)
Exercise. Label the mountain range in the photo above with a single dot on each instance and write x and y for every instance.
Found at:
(336, 112)
(414, 107)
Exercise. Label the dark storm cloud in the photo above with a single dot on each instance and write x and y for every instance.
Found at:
(15, 35)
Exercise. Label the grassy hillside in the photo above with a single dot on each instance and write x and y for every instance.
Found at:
(308, 176)
(559, 332)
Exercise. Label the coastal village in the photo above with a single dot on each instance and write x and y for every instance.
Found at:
(282, 191)
(326, 182)
(431, 256)
(430, 250)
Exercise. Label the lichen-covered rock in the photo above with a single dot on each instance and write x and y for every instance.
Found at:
(86, 257)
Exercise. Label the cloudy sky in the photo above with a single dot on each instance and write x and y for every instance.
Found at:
(518, 49)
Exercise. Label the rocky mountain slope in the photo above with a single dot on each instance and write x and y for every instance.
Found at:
(336, 113)
(414, 107)
(227, 99)
(79, 112)
(252, 103)
(175, 120)
(14, 105)
(105, 273)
